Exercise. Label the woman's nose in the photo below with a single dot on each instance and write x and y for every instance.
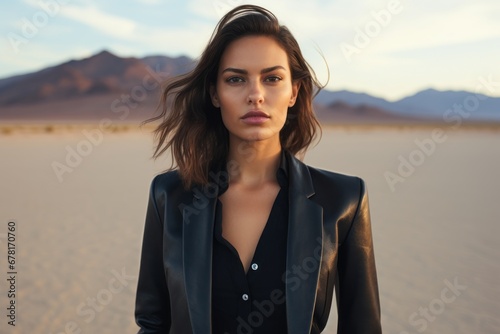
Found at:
(255, 94)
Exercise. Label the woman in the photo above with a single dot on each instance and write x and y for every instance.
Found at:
(243, 237)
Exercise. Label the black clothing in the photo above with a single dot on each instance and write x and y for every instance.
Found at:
(253, 302)
(329, 244)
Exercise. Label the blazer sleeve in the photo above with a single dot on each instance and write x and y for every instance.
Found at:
(357, 291)
(152, 307)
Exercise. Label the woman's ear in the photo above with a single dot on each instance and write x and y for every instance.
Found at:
(295, 92)
(214, 97)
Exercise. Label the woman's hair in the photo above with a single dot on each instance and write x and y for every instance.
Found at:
(192, 128)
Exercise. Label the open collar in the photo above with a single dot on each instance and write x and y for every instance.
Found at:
(304, 249)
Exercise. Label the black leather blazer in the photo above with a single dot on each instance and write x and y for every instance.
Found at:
(329, 245)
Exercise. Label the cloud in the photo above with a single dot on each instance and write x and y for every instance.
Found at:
(429, 42)
(436, 29)
(32, 3)
(150, 2)
(108, 24)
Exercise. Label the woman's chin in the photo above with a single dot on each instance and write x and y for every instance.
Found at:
(258, 136)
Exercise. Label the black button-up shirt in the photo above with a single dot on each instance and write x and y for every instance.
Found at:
(252, 302)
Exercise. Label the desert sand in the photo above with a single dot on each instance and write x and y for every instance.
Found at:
(78, 231)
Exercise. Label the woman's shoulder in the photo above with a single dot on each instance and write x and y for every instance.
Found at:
(328, 182)
(333, 176)
(333, 181)
(166, 181)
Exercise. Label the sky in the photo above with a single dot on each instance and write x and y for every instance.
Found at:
(387, 48)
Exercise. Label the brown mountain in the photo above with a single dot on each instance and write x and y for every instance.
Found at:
(343, 113)
(102, 73)
(100, 86)
(124, 89)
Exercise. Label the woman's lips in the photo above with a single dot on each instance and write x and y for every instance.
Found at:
(255, 117)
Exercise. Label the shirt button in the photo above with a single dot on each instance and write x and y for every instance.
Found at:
(244, 297)
(255, 266)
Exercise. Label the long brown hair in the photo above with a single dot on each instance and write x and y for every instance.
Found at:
(192, 128)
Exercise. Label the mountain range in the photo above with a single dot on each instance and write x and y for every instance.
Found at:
(105, 85)
(426, 104)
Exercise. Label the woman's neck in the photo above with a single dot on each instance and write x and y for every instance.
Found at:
(253, 163)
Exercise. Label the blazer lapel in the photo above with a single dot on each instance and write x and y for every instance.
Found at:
(197, 257)
(304, 248)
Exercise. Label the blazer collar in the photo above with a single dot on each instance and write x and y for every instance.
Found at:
(304, 249)
(197, 243)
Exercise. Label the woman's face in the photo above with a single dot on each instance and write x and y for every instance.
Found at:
(254, 89)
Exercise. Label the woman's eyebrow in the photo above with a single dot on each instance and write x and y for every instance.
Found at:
(242, 71)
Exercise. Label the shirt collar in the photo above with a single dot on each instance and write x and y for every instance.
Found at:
(282, 172)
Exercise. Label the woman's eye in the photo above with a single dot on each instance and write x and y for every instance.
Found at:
(234, 80)
(274, 78)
